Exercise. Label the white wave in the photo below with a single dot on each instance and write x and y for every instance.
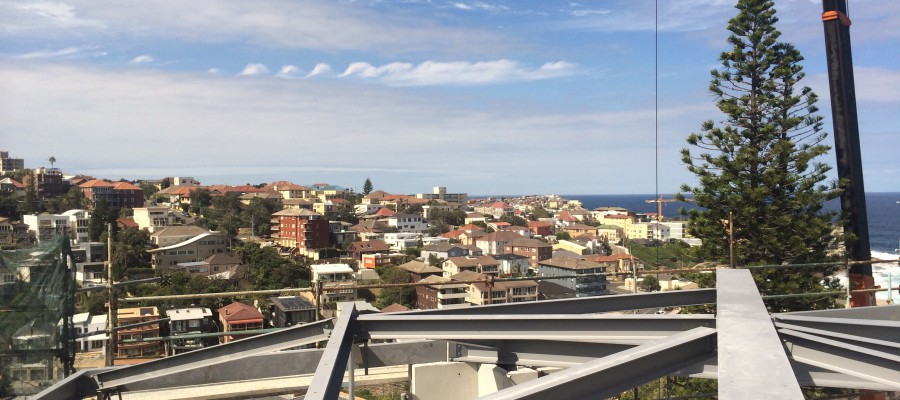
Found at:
(886, 274)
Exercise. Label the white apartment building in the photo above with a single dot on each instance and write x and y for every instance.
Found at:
(408, 223)
(338, 282)
(400, 241)
(48, 226)
(152, 219)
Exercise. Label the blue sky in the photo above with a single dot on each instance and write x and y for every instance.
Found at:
(485, 97)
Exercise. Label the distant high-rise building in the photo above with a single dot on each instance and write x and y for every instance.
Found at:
(10, 164)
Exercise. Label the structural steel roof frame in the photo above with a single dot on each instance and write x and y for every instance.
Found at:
(834, 348)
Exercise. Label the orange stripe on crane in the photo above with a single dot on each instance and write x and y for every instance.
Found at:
(833, 15)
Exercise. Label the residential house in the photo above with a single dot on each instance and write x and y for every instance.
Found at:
(367, 209)
(400, 241)
(474, 217)
(420, 270)
(522, 230)
(11, 186)
(574, 247)
(550, 290)
(291, 310)
(584, 286)
(576, 230)
(372, 261)
(495, 243)
(25, 358)
(441, 293)
(300, 228)
(49, 182)
(540, 228)
(85, 323)
(491, 292)
(288, 190)
(247, 198)
(338, 282)
(371, 230)
(78, 225)
(513, 264)
(216, 266)
(47, 226)
(444, 251)
(175, 234)
(374, 197)
(195, 249)
(153, 219)
(357, 249)
(618, 263)
(621, 220)
(610, 233)
(188, 321)
(481, 264)
(90, 263)
(236, 318)
(408, 223)
(125, 347)
(305, 204)
(496, 209)
(96, 190)
(130, 196)
(536, 250)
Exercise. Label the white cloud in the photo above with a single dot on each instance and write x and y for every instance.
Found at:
(68, 51)
(586, 13)
(326, 25)
(213, 71)
(181, 111)
(255, 69)
(319, 69)
(142, 59)
(458, 73)
(288, 71)
(463, 6)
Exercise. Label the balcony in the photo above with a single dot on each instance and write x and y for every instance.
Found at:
(452, 295)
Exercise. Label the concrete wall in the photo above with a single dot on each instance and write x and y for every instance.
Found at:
(444, 380)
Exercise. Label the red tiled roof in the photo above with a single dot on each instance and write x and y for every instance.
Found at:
(239, 312)
(394, 308)
(499, 204)
(95, 183)
(538, 224)
(453, 234)
(385, 212)
(127, 223)
(125, 186)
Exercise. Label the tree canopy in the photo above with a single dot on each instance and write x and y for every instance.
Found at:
(759, 162)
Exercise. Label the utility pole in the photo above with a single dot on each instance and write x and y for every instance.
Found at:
(111, 311)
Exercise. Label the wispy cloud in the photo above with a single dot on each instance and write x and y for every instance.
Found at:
(319, 69)
(288, 71)
(324, 25)
(458, 73)
(255, 69)
(142, 59)
(68, 52)
(480, 5)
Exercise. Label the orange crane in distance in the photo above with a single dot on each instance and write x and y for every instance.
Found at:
(659, 203)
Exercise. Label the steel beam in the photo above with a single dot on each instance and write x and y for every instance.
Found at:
(292, 363)
(883, 346)
(584, 305)
(748, 342)
(845, 358)
(613, 374)
(885, 312)
(326, 383)
(810, 375)
(871, 329)
(534, 353)
(76, 386)
(623, 329)
(119, 379)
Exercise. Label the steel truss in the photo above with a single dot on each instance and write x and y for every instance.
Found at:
(752, 354)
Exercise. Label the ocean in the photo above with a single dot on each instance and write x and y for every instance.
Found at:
(883, 211)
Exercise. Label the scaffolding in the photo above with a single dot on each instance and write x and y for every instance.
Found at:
(36, 307)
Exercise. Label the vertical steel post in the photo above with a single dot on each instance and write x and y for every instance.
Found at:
(846, 144)
(111, 318)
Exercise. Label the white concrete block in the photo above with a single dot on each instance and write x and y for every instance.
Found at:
(444, 381)
(492, 378)
(522, 375)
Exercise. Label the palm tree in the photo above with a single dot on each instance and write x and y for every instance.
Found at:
(52, 161)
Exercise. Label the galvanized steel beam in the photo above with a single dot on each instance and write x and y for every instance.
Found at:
(863, 328)
(584, 305)
(326, 383)
(748, 342)
(613, 374)
(534, 353)
(845, 358)
(76, 386)
(119, 379)
(623, 329)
